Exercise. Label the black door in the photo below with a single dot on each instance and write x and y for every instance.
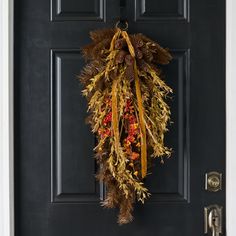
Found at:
(55, 190)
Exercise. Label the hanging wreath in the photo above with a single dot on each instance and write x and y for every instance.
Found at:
(128, 112)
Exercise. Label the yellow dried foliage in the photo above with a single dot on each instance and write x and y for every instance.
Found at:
(129, 113)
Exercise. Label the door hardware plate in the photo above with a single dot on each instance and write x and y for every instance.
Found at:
(213, 181)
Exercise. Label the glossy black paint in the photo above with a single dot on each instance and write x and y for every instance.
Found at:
(55, 190)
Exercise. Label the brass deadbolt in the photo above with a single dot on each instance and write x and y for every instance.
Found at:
(213, 181)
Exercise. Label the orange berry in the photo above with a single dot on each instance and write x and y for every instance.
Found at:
(134, 155)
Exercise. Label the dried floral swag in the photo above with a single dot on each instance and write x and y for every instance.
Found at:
(128, 112)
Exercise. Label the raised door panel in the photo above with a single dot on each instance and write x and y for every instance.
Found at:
(73, 164)
(170, 181)
(73, 10)
(147, 10)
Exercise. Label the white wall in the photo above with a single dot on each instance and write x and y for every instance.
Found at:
(231, 117)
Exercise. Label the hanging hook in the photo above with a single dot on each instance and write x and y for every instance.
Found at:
(122, 25)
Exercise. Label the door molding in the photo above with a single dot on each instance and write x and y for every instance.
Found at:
(6, 118)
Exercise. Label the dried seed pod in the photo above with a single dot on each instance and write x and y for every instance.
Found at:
(129, 72)
(161, 55)
(120, 57)
(143, 65)
(138, 53)
(99, 51)
(120, 44)
(137, 41)
(113, 74)
(129, 60)
(147, 55)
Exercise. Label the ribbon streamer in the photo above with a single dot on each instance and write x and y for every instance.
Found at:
(140, 108)
(142, 124)
(115, 120)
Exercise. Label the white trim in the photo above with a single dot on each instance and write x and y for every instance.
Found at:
(6, 119)
(231, 116)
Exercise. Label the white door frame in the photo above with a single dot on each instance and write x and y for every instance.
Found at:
(6, 118)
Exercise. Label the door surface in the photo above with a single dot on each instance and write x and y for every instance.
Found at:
(55, 190)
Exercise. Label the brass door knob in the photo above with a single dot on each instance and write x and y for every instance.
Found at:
(213, 181)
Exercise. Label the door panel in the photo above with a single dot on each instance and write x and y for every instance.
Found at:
(73, 165)
(72, 10)
(55, 189)
(161, 10)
